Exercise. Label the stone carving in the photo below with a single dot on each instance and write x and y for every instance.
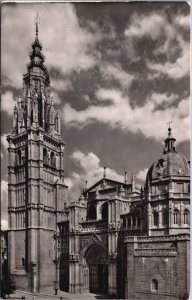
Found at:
(85, 242)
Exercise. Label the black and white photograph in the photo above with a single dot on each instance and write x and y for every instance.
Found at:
(95, 150)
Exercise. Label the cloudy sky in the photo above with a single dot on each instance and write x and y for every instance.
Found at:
(119, 72)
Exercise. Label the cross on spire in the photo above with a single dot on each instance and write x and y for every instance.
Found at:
(169, 128)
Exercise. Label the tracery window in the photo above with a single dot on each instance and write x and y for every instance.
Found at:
(53, 160)
(186, 217)
(165, 217)
(176, 217)
(155, 218)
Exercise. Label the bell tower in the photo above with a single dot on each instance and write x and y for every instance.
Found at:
(37, 194)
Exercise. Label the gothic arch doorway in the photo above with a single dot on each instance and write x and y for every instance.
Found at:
(95, 269)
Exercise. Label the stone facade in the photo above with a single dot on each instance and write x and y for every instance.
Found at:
(115, 239)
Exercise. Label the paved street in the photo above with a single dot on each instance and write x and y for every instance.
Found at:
(49, 294)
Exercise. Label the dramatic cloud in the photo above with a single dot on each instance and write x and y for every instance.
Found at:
(90, 169)
(159, 28)
(7, 103)
(183, 21)
(71, 49)
(118, 75)
(56, 98)
(115, 71)
(148, 25)
(179, 68)
(142, 174)
(149, 119)
(61, 84)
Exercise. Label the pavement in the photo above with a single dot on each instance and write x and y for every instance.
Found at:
(49, 294)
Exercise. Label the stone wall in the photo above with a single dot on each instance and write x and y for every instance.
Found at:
(157, 267)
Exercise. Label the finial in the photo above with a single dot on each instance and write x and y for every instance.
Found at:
(86, 184)
(82, 190)
(121, 190)
(37, 22)
(104, 172)
(125, 177)
(82, 186)
(133, 183)
(169, 128)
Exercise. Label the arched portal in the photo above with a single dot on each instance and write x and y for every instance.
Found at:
(95, 269)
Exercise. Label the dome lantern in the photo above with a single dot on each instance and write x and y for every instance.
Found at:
(169, 142)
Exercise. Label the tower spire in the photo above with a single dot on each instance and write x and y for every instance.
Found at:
(37, 24)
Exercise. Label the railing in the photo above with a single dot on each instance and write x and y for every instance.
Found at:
(92, 225)
(170, 195)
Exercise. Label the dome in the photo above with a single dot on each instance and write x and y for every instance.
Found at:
(170, 163)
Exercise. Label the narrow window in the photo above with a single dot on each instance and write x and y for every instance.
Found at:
(129, 222)
(186, 217)
(155, 218)
(165, 218)
(154, 285)
(45, 155)
(176, 217)
(19, 157)
(104, 211)
(23, 262)
(53, 160)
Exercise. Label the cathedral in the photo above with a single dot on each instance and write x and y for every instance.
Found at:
(115, 239)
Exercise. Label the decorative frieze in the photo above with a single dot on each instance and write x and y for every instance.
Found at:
(156, 252)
